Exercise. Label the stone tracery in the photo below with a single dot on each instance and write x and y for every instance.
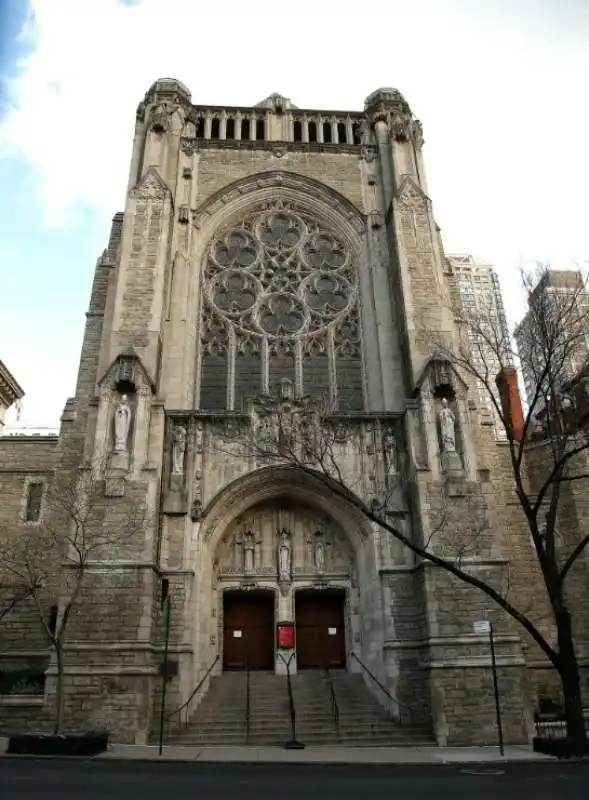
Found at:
(276, 279)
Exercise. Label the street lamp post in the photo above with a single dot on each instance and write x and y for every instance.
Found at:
(167, 608)
(480, 627)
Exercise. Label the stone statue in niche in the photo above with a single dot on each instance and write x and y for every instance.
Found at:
(447, 428)
(198, 437)
(196, 507)
(284, 557)
(390, 450)
(320, 553)
(249, 552)
(178, 450)
(286, 389)
(122, 425)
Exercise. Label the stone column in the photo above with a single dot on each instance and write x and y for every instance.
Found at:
(141, 430)
(208, 124)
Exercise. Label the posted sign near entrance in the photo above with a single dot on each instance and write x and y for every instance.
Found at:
(285, 635)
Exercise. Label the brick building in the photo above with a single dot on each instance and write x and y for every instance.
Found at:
(268, 259)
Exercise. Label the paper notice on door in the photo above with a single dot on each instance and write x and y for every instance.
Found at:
(237, 634)
(332, 631)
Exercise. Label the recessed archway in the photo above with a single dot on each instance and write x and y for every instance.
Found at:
(331, 551)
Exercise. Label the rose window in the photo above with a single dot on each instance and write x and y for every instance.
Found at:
(281, 275)
(280, 301)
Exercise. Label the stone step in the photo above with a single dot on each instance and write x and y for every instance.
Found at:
(220, 718)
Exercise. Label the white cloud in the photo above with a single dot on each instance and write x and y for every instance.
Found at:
(501, 93)
(500, 90)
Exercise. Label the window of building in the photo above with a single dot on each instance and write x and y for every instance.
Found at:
(312, 131)
(245, 129)
(200, 128)
(260, 130)
(215, 129)
(356, 133)
(230, 130)
(34, 501)
(327, 132)
(341, 133)
(298, 131)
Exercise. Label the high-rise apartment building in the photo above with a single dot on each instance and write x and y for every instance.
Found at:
(560, 301)
(480, 292)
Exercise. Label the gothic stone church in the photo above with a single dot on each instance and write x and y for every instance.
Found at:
(273, 258)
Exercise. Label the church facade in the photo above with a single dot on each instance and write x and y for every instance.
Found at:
(275, 263)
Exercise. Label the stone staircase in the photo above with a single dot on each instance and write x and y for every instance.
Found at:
(220, 718)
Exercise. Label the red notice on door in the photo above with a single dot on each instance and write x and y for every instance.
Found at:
(285, 635)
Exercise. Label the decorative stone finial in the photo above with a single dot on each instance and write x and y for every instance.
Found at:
(388, 105)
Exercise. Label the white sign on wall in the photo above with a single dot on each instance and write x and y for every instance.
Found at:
(482, 626)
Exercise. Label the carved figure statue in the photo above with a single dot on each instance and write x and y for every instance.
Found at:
(198, 438)
(122, 425)
(284, 557)
(390, 448)
(320, 554)
(286, 389)
(178, 450)
(447, 428)
(249, 547)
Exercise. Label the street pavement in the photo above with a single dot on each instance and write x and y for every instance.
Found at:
(28, 778)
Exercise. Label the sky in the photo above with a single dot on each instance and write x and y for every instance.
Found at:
(499, 85)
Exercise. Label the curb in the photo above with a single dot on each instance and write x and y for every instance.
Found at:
(282, 762)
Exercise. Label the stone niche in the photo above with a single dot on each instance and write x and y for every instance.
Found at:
(251, 543)
(178, 464)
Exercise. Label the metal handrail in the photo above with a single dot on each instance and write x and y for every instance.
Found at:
(401, 707)
(194, 692)
(291, 704)
(333, 699)
(247, 700)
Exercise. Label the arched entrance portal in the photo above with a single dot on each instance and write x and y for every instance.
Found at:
(284, 561)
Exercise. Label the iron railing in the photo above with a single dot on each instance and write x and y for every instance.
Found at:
(555, 728)
(293, 743)
(333, 700)
(247, 700)
(186, 706)
(398, 711)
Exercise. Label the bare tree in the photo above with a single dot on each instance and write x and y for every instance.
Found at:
(48, 563)
(552, 358)
(305, 435)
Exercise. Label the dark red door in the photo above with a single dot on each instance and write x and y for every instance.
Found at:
(248, 630)
(320, 632)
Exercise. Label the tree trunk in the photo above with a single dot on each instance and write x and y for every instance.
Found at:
(59, 695)
(571, 681)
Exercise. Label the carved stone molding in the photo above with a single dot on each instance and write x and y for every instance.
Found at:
(417, 130)
(310, 191)
(127, 368)
(411, 195)
(150, 187)
(368, 153)
(189, 145)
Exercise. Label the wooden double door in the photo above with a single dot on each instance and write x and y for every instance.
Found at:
(321, 639)
(248, 630)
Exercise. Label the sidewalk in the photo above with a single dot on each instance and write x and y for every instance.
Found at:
(328, 755)
(317, 755)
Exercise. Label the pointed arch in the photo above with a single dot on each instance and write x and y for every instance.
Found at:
(329, 204)
(271, 483)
